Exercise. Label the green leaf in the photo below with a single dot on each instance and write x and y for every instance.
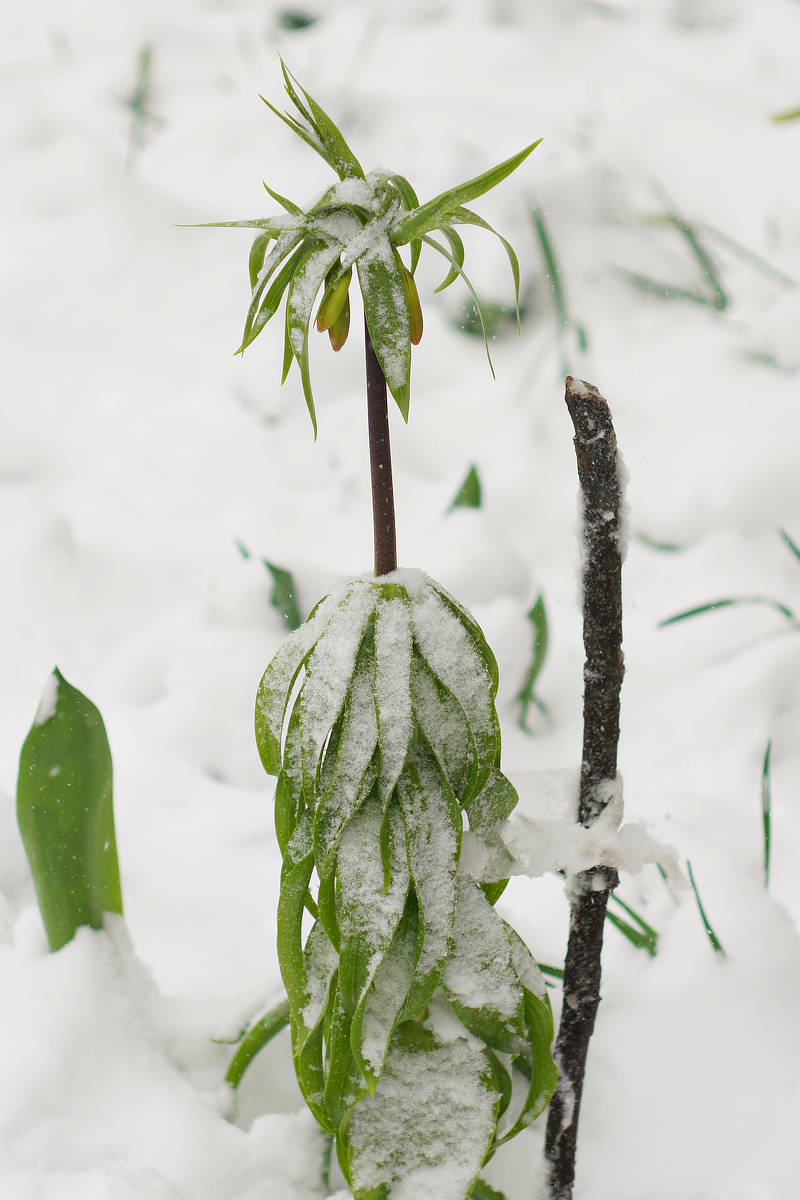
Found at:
(469, 494)
(393, 647)
(344, 1085)
(258, 252)
(428, 216)
(308, 1065)
(289, 205)
(306, 282)
(369, 912)
(433, 824)
(795, 549)
(463, 216)
(65, 813)
(493, 804)
(446, 254)
(279, 678)
(479, 978)
(727, 603)
(712, 937)
(434, 1112)
(527, 696)
(444, 725)
(283, 247)
(260, 314)
(457, 247)
(284, 595)
(766, 809)
(325, 137)
(256, 1038)
(388, 321)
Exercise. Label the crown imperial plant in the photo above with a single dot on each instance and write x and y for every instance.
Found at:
(413, 1005)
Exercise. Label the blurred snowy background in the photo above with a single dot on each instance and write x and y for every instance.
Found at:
(136, 454)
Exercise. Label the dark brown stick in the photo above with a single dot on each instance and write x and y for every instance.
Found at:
(380, 463)
(601, 489)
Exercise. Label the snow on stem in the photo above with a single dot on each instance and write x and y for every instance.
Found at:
(599, 471)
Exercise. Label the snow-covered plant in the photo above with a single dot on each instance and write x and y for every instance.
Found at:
(414, 1007)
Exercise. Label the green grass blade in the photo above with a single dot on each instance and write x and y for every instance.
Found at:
(793, 114)
(766, 809)
(429, 216)
(284, 595)
(255, 1040)
(665, 290)
(795, 549)
(639, 939)
(553, 972)
(654, 544)
(541, 636)
(446, 254)
(748, 256)
(65, 813)
(649, 936)
(728, 603)
(712, 937)
(469, 494)
(721, 299)
(551, 265)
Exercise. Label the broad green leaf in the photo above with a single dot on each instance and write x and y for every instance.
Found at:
(493, 804)
(369, 913)
(454, 264)
(65, 813)
(256, 1038)
(442, 721)
(479, 979)
(384, 999)
(329, 670)
(428, 216)
(350, 779)
(291, 905)
(284, 595)
(278, 680)
(433, 837)
(469, 494)
(430, 1124)
(474, 631)
(388, 321)
(448, 645)
(393, 647)
(457, 247)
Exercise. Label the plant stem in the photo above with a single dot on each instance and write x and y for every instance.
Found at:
(380, 464)
(601, 488)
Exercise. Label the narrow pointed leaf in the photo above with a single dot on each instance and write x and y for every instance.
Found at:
(463, 216)
(428, 216)
(442, 721)
(457, 247)
(255, 1040)
(289, 205)
(386, 309)
(429, 241)
(393, 647)
(65, 813)
(258, 316)
(469, 494)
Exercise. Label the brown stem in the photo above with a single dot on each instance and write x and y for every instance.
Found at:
(380, 464)
(598, 471)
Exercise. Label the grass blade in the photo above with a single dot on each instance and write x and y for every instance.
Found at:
(766, 808)
(645, 937)
(712, 937)
(538, 618)
(284, 595)
(256, 1039)
(795, 549)
(469, 494)
(792, 115)
(727, 603)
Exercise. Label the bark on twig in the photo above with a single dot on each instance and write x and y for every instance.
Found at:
(380, 462)
(601, 490)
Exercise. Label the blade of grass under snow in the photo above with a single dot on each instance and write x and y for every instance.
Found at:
(712, 937)
(766, 808)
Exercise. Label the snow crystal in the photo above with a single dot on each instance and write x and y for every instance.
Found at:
(393, 688)
(367, 911)
(49, 701)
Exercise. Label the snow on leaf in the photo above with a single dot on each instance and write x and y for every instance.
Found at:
(441, 718)
(321, 961)
(328, 672)
(494, 803)
(383, 1000)
(350, 779)
(393, 689)
(479, 979)
(388, 320)
(278, 679)
(368, 912)
(433, 838)
(426, 1132)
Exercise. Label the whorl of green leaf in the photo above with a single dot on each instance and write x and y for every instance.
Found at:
(360, 221)
(65, 813)
(379, 718)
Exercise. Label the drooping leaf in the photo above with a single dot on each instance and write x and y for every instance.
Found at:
(444, 725)
(307, 279)
(464, 216)
(65, 813)
(454, 264)
(393, 647)
(256, 1038)
(494, 803)
(386, 310)
(269, 303)
(457, 247)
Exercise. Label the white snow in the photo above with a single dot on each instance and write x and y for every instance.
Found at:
(49, 701)
(135, 450)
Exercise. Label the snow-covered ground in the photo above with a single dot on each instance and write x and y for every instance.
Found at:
(135, 453)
